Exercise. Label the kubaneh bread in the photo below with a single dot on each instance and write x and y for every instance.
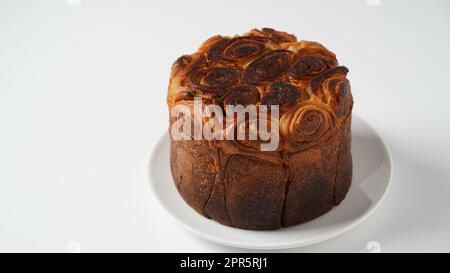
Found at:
(234, 182)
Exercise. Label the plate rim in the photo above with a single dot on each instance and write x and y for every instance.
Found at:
(324, 237)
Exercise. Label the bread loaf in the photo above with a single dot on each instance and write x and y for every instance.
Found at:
(233, 181)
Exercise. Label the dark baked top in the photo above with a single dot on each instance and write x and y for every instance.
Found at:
(269, 67)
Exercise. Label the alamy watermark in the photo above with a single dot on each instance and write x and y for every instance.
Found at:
(73, 2)
(374, 247)
(208, 122)
(373, 2)
(73, 247)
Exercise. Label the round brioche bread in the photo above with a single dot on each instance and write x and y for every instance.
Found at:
(233, 181)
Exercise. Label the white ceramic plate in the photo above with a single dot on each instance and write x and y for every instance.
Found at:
(371, 177)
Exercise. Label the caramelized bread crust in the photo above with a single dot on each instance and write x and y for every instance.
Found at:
(234, 182)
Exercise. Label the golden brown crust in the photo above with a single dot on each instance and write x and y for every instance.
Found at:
(232, 181)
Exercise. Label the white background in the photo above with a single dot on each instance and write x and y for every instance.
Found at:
(82, 104)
